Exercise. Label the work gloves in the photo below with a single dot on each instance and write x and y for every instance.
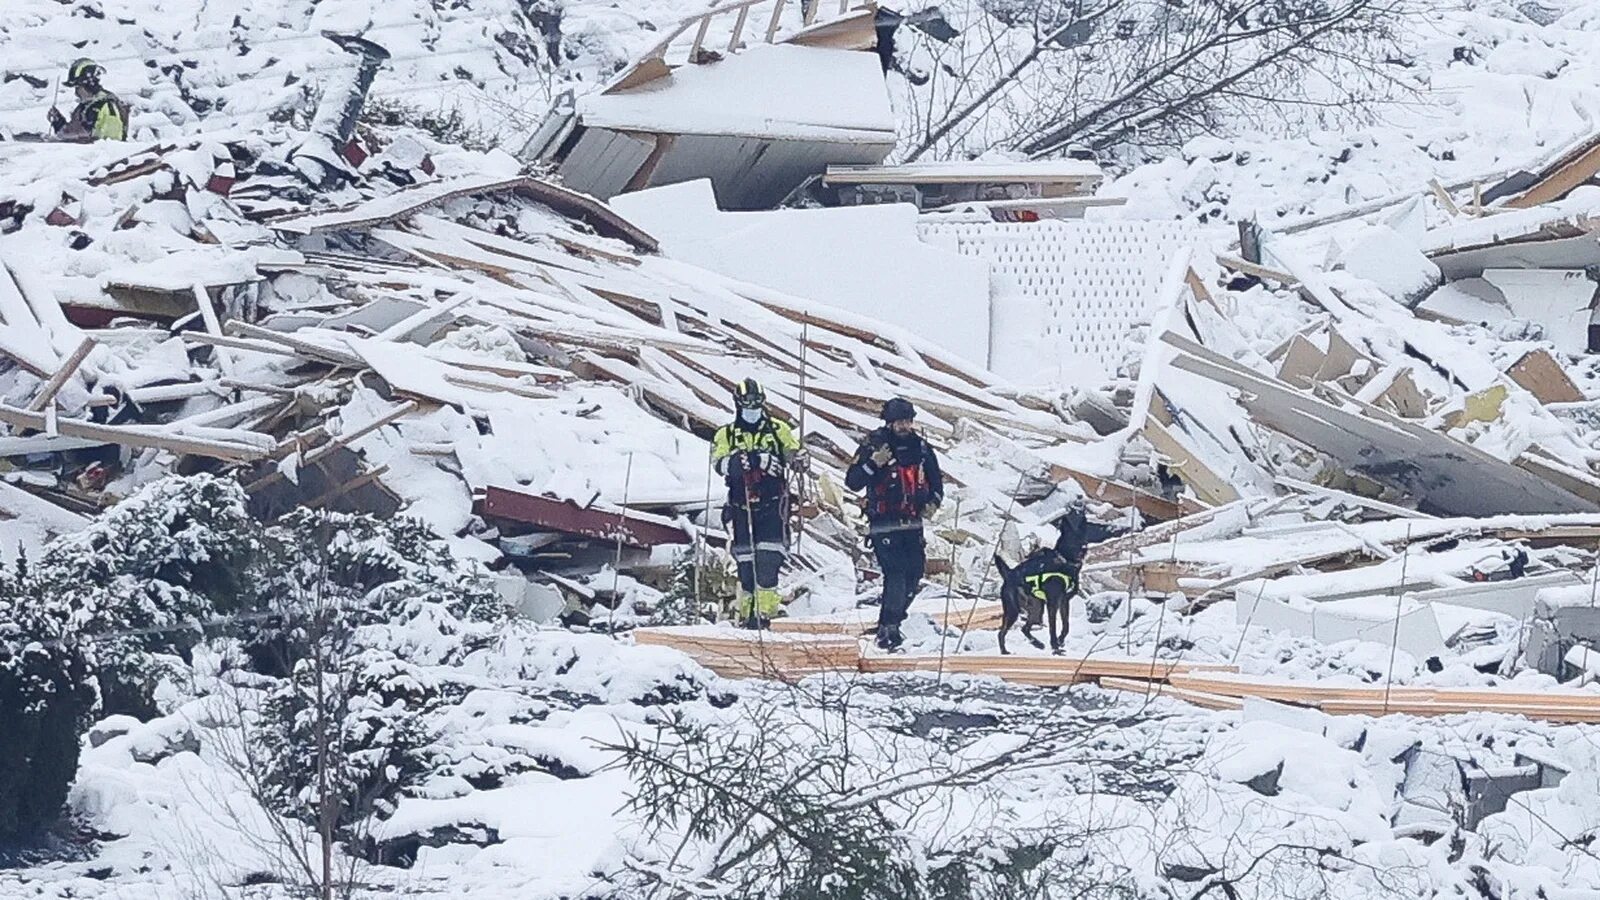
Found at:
(770, 463)
(882, 456)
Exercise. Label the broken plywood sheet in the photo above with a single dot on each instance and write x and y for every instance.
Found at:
(1302, 359)
(1390, 621)
(1557, 299)
(1512, 598)
(1441, 472)
(1540, 375)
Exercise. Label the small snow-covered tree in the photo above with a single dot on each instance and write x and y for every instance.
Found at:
(362, 607)
(179, 552)
(1037, 76)
(785, 806)
(47, 692)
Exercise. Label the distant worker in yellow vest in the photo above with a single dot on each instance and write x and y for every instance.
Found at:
(753, 455)
(99, 116)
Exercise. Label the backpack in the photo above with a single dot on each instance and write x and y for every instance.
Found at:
(899, 491)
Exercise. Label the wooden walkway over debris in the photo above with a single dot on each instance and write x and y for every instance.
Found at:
(791, 656)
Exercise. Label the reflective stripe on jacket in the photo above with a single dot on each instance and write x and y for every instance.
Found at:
(768, 436)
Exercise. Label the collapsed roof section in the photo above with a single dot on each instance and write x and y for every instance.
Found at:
(757, 116)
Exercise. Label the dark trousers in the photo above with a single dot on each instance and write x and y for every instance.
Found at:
(759, 564)
(902, 558)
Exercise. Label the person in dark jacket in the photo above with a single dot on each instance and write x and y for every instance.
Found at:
(900, 475)
(99, 116)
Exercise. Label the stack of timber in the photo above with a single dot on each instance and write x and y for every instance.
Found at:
(754, 654)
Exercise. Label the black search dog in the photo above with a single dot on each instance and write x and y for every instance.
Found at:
(1046, 581)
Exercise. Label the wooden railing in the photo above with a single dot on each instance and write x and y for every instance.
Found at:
(653, 62)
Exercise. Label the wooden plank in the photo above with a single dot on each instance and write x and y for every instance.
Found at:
(59, 379)
(1266, 273)
(1210, 487)
(300, 346)
(1158, 689)
(1150, 505)
(138, 436)
(215, 340)
(1539, 374)
(1560, 181)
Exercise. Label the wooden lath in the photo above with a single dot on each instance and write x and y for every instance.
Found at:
(844, 29)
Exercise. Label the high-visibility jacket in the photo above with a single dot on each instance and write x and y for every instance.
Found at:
(731, 452)
(103, 117)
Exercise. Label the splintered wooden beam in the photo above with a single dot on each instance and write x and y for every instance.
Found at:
(350, 437)
(635, 529)
(1158, 689)
(138, 436)
(1150, 505)
(59, 379)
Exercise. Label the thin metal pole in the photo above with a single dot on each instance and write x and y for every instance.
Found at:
(616, 564)
(949, 590)
(988, 565)
(1127, 625)
(1394, 642)
(1594, 578)
(700, 542)
(805, 473)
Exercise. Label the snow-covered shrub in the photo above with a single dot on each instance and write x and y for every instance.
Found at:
(342, 737)
(46, 694)
(361, 606)
(680, 605)
(394, 579)
(180, 550)
(781, 806)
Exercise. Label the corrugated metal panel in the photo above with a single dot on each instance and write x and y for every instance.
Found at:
(756, 173)
(602, 161)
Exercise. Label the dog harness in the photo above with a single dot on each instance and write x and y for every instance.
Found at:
(1036, 583)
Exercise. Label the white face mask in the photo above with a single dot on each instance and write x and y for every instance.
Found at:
(750, 416)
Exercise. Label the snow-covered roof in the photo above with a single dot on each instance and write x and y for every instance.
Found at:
(777, 91)
(1039, 170)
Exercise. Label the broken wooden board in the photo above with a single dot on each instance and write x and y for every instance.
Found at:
(1559, 177)
(1441, 472)
(403, 203)
(1301, 361)
(735, 653)
(635, 529)
(1159, 689)
(1211, 488)
(1154, 507)
(1540, 375)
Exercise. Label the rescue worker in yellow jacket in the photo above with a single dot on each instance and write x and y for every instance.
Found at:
(100, 115)
(753, 455)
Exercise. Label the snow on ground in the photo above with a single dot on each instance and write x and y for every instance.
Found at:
(1159, 789)
(1488, 88)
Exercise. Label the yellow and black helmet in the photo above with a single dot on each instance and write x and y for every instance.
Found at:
(748, 394)
(83, 71)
